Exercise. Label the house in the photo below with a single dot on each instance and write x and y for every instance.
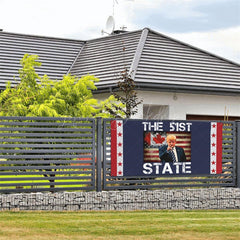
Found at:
(175, 80)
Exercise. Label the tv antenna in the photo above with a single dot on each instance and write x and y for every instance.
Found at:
(114, 1)
(110, 24)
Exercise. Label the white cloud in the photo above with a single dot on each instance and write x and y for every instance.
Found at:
(224, 43)
(54, 17)
(84, 19)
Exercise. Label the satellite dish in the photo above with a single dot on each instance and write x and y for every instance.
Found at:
(110, 24)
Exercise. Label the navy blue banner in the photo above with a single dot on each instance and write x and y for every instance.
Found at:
(156, 148)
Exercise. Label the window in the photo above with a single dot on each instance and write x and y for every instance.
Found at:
(155, 111)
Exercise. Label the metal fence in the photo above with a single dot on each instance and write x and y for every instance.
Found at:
(46, 154)
(74, 154)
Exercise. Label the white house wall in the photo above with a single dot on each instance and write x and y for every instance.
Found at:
(181, 104)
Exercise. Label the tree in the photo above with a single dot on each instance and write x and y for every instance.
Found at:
(127, 96)
(42, 97)
(37, 96)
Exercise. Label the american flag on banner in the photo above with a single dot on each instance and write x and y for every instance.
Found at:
(184, 141)
(216, 148)
(153, 140)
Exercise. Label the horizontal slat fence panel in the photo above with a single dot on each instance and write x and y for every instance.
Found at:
(58, 154)
(46, 154)
(226, 179)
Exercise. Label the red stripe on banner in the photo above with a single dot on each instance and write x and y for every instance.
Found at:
(219, 147)
(213, 148)
(151, 155)
(114, 148)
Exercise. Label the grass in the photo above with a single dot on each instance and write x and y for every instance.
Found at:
(137, 225)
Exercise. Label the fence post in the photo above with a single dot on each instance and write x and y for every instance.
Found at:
(99, 155)
(238, 153)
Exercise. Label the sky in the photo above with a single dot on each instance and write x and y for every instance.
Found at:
(211, 25)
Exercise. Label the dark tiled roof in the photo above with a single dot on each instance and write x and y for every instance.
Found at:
(56, 55)
(154, 60)
(168, 63)
(106, 57)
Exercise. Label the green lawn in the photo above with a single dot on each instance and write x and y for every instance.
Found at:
(138, 225)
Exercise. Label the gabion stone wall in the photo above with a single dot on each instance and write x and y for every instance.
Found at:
(213, 198)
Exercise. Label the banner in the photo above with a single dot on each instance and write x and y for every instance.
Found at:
(157, 148)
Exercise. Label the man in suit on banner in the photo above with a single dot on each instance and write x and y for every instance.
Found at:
(171, 153)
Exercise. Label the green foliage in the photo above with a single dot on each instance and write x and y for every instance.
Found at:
(37, 96)
(42, 97)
